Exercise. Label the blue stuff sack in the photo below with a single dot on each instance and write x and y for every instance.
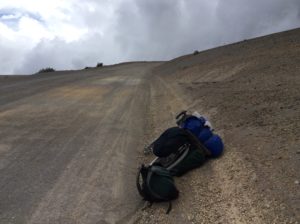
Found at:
(205, 134)
(194, 124)
(201, 128)
(215, 145)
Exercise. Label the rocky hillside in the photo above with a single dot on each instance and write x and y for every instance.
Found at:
(251, 92)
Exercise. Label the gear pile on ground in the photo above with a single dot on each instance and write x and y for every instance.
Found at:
(178, 150)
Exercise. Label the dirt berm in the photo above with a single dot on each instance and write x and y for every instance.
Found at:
(70, 142)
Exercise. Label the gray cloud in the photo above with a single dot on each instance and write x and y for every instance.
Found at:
(171, 28)
(246, 19)
(164, 29)
(155, 30)
(61, 55)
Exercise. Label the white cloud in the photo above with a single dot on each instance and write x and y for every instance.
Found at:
(74, 34)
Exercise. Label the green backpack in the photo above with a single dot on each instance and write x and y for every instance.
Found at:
(156, 184)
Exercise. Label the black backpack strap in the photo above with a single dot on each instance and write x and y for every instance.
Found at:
(196, 141)
(138, 185)
(183, 154)
(148, 178)
(181, 117)
(169, 208)
(181, 114)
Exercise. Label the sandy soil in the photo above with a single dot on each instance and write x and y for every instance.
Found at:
(70, 142)
(250, 91)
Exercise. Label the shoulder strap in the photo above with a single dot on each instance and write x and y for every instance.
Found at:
(196, 141)
(181, 117)
(182, 156)
(138, 185)
(151, 170)
(169, 208)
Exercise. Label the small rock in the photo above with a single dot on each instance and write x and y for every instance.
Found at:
(296, 182)
(189, 217)
(254, 177)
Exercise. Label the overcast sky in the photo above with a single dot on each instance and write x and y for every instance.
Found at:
(73, 34)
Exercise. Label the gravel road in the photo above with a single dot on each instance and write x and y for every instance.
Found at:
(69, 143)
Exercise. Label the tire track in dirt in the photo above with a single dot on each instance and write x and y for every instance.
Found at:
(77, 142)
(58, 148)
(98, 197)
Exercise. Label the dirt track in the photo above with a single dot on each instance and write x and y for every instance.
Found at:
(70, 142)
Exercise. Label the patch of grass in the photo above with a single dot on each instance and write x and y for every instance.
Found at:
(44, 70)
